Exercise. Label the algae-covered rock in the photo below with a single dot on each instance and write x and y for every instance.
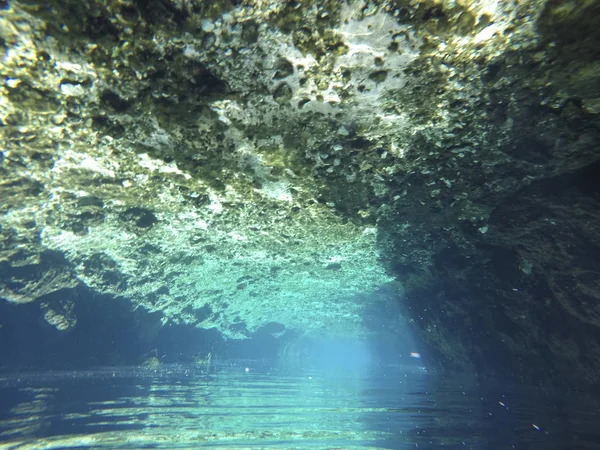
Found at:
(234, 164)
(164, 174)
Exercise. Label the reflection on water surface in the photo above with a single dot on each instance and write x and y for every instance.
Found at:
(247, 404)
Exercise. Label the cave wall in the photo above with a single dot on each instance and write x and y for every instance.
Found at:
(232, 164)
(501, 259)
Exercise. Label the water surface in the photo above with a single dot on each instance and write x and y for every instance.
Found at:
(247, 404)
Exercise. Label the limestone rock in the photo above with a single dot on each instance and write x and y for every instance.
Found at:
(235, 164)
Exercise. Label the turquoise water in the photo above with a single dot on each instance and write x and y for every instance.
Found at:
(247, 404)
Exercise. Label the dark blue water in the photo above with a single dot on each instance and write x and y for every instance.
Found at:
(250, 405)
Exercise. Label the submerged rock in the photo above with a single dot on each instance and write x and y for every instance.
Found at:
(234, 164)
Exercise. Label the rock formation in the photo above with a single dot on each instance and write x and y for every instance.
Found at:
(234, 164)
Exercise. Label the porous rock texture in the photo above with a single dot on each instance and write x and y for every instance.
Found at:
(234, 164)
